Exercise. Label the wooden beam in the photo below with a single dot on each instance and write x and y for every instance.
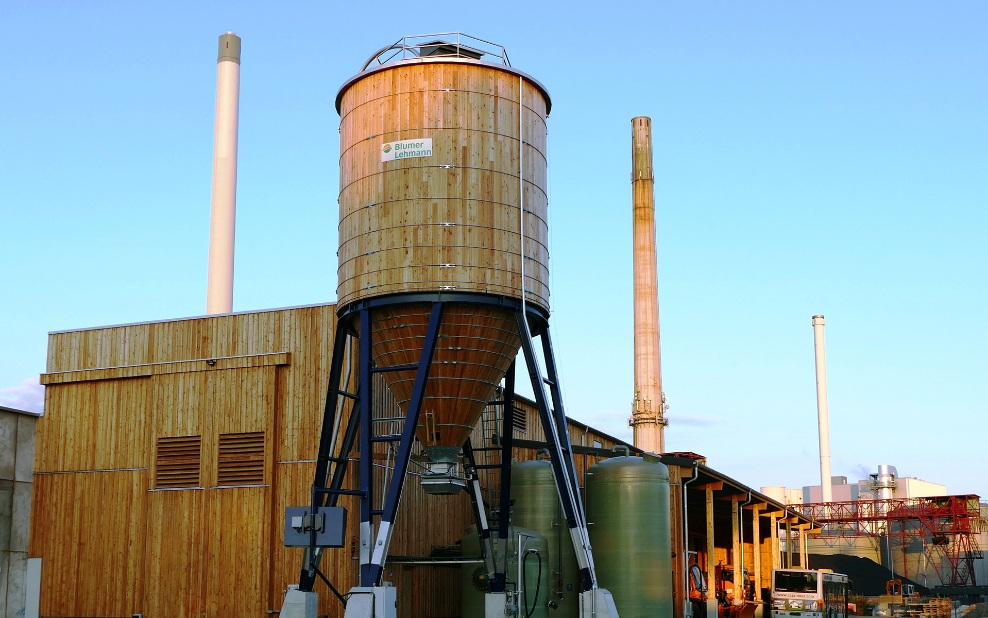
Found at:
(756, 548)
(156, 369)
(711, 560)
(736, 551)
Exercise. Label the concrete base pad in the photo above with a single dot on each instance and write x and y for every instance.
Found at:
(597, 604)
(300, 604)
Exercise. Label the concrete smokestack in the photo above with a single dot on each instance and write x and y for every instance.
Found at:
(648, 409)
(223, 212)
(821, 408)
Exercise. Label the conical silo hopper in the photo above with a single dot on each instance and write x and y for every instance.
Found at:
(442, 185)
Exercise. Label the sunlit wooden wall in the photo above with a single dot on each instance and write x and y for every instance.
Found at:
(169, 450)
(122, 528)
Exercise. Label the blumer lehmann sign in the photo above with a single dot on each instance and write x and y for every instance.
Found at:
(406, 149)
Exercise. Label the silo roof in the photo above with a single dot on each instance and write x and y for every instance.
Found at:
(448, 60)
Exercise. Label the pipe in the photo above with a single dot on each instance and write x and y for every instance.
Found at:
(223, 209)
(744, 583)
(621, 448)
(647, 410)
(821, 406)
(687, 608)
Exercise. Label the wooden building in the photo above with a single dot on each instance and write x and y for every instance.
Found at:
(169, 450)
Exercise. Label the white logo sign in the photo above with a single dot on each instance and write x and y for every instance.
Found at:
(406, 149)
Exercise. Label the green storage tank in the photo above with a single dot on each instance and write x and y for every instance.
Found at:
(628, 513)
(474, 584)
(536, 507)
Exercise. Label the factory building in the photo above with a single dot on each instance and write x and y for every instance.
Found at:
(869, 489)
(912, 527)
(169, 451)
(16, 459)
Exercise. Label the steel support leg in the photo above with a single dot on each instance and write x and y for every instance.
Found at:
(365, 396)
(562, 459)
(331, 415)
(372, 575)
(477, 503)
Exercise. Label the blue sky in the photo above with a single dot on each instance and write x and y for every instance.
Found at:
(810, 158)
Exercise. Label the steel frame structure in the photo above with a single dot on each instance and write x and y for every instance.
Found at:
(945, 525)
(331, 469)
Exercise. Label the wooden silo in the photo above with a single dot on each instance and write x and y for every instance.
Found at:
(441, 153)
(443, 278)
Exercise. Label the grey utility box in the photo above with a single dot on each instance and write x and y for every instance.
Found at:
(329, 522)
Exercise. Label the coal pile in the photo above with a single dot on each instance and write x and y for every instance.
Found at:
(867, 577)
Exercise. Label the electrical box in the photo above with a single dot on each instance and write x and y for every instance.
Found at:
(328, 522)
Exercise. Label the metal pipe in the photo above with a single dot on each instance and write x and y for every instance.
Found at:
(821, 406)
(223, 209)
(688, 607)
(741, 529)
(435, 562)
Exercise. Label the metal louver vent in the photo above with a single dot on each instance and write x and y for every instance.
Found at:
(177, 463)
(519, 420)
(241, 459)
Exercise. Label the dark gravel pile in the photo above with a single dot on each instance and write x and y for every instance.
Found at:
(867, 577)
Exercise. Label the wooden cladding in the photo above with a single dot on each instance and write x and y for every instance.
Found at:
(461, 217)
(476, 346)
(241, 459)
(177, 464)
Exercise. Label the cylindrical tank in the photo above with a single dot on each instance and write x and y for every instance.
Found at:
(909, 541)
(536, 507)
(475, 584)
(628, 513)
(442, 180)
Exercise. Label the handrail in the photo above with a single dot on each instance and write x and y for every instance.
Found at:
(429, 46)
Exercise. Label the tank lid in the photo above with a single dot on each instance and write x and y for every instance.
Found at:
(625, 467)
(440, 47)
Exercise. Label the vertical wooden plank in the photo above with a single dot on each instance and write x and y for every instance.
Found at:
(175, 566)
(233, 551)
(83, 576)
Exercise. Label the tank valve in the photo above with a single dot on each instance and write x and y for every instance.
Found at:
(552, 604)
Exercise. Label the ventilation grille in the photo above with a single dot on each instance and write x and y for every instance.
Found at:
(241, 460)
(177, 463)
(519, 420)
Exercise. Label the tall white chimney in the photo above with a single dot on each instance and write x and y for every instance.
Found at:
(223, 212)
(821, 408)
(648, 410)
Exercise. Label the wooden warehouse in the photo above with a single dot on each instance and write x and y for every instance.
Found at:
(169, 450)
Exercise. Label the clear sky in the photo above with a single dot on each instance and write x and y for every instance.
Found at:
(810, 158)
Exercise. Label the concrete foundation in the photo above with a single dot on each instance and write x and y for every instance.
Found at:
(300, 604)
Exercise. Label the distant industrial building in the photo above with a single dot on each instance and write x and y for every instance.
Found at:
(909, 525)
(870, 489)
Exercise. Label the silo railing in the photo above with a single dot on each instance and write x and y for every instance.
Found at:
(438, 45)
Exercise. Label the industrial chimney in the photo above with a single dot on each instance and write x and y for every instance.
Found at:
(647, 412)
(821, 407)
(219, 285)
